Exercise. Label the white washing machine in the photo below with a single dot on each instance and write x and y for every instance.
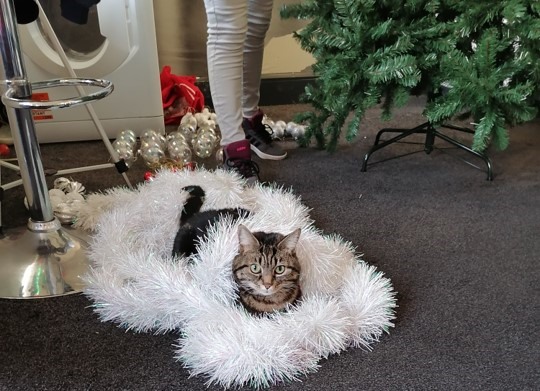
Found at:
(117, 43)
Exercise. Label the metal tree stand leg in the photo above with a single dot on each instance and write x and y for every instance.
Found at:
(431, 133)
(43, 259)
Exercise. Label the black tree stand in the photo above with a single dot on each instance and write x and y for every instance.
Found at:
(42, 259)
(431, 134)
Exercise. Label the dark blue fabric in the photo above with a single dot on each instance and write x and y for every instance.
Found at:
(26, 11)
(77, 10)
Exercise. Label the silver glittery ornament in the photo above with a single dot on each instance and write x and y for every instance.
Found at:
(204, 144)
(176, 136)
(152, 155)
(148, 133)
(189, 132)
(219, 156)
(128, 136)
(179, 152)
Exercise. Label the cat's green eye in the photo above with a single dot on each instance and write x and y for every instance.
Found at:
(255, 268)
(280, 269)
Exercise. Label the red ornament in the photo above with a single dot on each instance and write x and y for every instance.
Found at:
(148, 176)
(190, 166)
(4, 150)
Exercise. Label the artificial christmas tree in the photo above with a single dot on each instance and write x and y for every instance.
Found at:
(473, 59)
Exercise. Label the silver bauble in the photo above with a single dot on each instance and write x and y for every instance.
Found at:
(152, 155)
(219, 156)
(121, 145)
(148, 133)
(128, 132)
(128, 155)
(176, 136)
(180, 152)
(189, 132)
(127, 136)
(162, 140)
(204, 144)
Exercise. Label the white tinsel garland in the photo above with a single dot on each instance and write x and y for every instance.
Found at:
(136, 282)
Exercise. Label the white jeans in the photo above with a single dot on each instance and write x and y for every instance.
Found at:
(236, 32)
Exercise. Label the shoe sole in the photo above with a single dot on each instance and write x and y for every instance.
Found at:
(266, 156)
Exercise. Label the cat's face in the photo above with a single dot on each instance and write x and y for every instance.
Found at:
(267, 267)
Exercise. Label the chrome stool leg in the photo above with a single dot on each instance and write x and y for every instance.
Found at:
(42, 259)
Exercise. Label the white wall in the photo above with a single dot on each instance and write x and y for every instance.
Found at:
(181, 37)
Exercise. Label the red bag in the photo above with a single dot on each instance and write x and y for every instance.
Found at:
(179, 95)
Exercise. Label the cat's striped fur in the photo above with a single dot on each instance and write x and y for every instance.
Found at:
(266, 268)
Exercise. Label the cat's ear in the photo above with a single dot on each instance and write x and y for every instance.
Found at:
(289, 242)
(247, 241)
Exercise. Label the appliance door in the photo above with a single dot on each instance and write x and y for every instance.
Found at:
(117, 43)
(95, 49)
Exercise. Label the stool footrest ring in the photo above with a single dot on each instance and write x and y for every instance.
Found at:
(24, 103)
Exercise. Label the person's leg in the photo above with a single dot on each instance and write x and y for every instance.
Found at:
(227, 27)
(259, 15)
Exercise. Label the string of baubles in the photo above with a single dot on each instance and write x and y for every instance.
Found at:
(197, 135)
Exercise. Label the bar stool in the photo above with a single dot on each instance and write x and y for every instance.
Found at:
(42, 259)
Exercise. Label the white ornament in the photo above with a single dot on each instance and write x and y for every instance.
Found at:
(298, 132)
(278, 130)
(56, 193)
(291, 128)
(61, 183)
(281, 124)
(270, 123)
(188, 120)
(74, 195)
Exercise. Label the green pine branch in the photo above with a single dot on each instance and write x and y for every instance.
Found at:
(371, 52)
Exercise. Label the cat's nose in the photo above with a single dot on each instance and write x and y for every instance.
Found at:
(267, 285)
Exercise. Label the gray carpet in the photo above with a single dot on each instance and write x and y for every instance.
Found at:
(462, 252)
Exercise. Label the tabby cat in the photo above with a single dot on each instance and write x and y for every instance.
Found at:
(266, 269)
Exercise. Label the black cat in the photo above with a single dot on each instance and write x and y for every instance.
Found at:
(194, 224)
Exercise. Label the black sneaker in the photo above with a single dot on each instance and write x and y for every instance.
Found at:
(260, 139)
(237, 157)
